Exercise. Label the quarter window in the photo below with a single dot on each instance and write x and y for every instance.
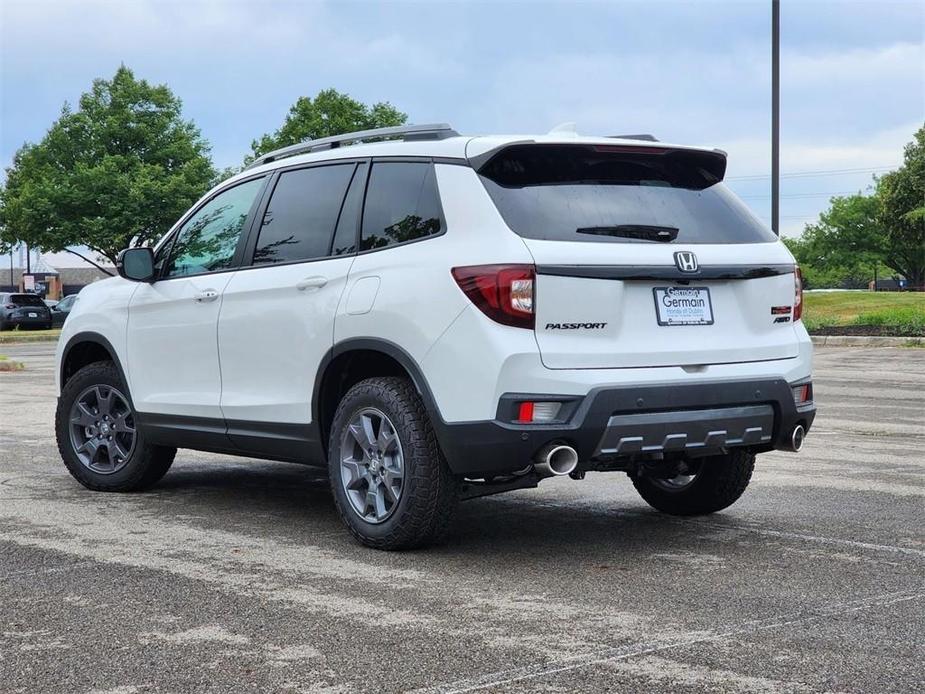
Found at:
(302, 213)
(207, 242)
(402, 204)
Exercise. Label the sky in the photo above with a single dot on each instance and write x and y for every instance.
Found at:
(852, 73)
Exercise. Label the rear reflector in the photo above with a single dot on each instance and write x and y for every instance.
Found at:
(504, 293)
(802, 393)
(525, 412)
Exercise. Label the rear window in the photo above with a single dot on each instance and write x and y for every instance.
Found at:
(26, 300)
(618, 194)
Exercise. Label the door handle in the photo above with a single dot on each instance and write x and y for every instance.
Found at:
(206, 295)
(316, 282)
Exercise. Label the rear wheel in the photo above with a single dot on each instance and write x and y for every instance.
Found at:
(97, 436)
(390, 481)
(701, 486)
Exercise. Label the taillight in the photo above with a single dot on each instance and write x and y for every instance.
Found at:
(797, 293)
(504, 293)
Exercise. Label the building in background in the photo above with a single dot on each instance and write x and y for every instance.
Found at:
(51, 283)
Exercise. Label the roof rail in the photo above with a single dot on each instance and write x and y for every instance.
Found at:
(646, 137)
(432, 131)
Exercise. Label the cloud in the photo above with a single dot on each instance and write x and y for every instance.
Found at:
(897, 61)
(695, 73)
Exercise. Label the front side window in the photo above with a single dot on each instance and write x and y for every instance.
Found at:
(402, 204)
(208, 239)
(301, 215)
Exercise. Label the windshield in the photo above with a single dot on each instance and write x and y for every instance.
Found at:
(618, 195)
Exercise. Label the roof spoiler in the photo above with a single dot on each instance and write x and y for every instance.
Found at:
(692, 168)
(643, 136)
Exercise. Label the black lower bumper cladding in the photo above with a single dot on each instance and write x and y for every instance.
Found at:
(626, 421)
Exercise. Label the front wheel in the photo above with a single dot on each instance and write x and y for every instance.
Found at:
(704, 485)
(390, 481)
(97, 435)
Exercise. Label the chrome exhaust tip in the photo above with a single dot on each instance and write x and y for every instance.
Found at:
(797, 438)
(556, 459)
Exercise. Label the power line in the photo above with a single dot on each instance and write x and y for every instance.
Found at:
(800, 174)
(802, 195)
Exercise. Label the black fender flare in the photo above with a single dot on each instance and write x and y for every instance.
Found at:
(94, 337)
(390, 349)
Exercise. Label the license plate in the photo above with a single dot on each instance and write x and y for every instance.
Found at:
(683, 306)
(33, 315)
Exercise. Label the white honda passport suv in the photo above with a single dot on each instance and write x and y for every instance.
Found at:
(433, 317)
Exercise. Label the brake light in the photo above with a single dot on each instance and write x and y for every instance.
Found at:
(504, 293)
(797, 294)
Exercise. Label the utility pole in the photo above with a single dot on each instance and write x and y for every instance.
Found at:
(775, 116)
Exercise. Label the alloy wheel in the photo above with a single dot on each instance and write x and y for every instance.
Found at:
(372, 465)
(102, 429)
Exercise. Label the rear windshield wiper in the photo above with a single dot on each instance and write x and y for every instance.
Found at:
(644, 232)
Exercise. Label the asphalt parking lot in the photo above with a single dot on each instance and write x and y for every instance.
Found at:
(236, 575)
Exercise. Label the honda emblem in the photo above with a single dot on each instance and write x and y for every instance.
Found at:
(686, 261)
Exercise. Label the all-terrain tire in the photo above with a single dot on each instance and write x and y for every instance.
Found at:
(719, 482)
(145, 465)
(430, 493)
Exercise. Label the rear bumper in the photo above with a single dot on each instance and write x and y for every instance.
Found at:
(622, 422)
(42, 321)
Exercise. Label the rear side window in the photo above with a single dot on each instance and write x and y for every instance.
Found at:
(617, 194)
(302, 213)
(26, 300)
(402, 204)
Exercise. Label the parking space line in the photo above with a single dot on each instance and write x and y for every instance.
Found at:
(613, 654)
(742, 526)
(50, 570)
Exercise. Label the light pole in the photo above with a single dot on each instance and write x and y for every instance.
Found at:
(775, 116)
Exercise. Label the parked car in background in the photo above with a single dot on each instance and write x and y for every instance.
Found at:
(61, 309)
(23, 311)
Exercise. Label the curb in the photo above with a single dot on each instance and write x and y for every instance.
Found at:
(861, 341)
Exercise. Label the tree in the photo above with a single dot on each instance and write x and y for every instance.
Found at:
(901, 196)
(115, 173)
(843, 247)
(329, 113)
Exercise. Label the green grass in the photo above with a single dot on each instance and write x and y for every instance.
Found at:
(895, 313)
(16, 336)
(7, 364)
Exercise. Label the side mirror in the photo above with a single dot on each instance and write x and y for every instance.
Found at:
(136, 264)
